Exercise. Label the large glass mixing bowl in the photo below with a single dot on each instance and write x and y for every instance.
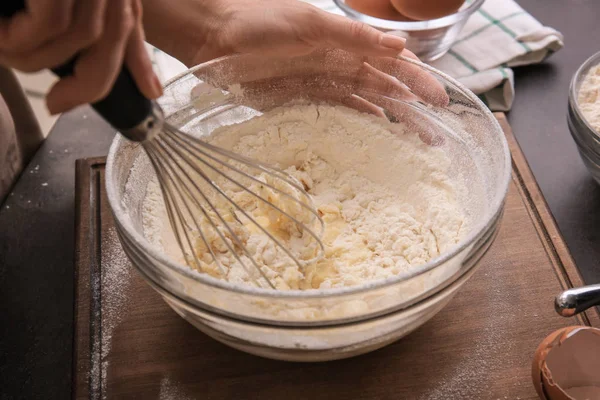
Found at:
(319, 324)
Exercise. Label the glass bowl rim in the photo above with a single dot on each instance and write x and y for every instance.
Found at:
(122, 220)
(410, 26)
(576, 81)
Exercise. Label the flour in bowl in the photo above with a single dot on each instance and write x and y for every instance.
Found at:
(386, 197)
(589, 97)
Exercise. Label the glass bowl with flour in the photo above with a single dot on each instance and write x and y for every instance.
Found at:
(583, 115)
(411, 200)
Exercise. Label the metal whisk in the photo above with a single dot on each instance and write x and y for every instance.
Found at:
(197, 180)
(210, 194)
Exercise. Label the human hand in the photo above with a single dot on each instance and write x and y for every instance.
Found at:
(105, 34)
(199, 30)
(384, 86)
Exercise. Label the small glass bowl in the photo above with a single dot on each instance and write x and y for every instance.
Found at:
(429, 40)
(586, 138)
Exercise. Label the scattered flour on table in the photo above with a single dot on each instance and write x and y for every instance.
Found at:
(171, 391)
(589, 97)
(113, 286)
(386, 197)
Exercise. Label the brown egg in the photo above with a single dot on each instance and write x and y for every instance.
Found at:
(426, 9)
(377, 8)
(566, 365)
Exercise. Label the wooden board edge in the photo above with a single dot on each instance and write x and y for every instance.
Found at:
(564, 266)
(81, 277)
(84, 257)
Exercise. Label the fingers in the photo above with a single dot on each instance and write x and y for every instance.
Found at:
(86, 29)
(43, 20)
(250, 68)
(385, 84)
(359, 104)
(329, 30)
(414, 121)
(418, 79)
(393, 97)
(103, 33)
(98, 66)
(268, 92)
(246, 69)
(271, 92)
(374, 92)
(137, 60)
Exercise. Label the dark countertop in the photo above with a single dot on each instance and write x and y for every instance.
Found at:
(538, 118)
(37, 242)
(37, 221)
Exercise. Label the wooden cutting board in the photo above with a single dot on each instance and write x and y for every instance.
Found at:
(129, 344)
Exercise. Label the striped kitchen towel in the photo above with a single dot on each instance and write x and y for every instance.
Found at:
(500, 35)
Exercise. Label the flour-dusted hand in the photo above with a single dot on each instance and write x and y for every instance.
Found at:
(200, 30)
(382, 86)
(216, 28)
(104, 33)
(292, 28)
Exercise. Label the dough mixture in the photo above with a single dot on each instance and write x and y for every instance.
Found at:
(589, 97)
(385, 196)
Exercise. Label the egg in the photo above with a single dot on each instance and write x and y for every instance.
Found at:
(426, 9)
(377, 8)
(566, 365)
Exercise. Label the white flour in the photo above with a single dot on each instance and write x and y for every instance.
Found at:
(385, 196)
(589, 97)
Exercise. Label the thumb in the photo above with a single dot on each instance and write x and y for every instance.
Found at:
(354, 36)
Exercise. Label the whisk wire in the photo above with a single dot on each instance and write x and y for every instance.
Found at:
(170, 206)
(234, 236)
(245, 214)
(257, 196)
(189, 169)
(197, 225)
(199, 145)
(180, 221)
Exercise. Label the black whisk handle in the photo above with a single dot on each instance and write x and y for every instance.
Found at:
(125, 107)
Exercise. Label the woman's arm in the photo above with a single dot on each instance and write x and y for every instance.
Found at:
(194, 31)
(180, 28)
